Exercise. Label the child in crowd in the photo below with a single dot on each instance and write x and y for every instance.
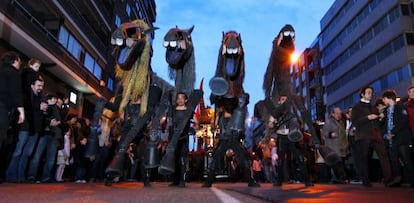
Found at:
(63, 154)
(81, 162)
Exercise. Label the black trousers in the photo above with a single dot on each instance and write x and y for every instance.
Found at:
(4, 124)
(401, 152)
(241, 154)
(286, 148)
(181, 152)
(365, 148)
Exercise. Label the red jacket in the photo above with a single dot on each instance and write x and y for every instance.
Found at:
(410, 111)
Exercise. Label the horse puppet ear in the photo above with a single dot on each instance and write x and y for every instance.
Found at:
(150, 30)
(190, 30)
(279, 39)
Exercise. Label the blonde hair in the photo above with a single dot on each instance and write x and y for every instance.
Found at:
(135, 82)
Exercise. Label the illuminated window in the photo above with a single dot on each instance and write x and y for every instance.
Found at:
(73, 97)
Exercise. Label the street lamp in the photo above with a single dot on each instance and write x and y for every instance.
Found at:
(294, 57)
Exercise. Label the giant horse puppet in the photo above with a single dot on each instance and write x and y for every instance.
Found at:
(228, 95)
(180, 58)
(137, 93)
(277, 82)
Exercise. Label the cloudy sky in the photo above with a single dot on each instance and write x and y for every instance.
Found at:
(258, 22)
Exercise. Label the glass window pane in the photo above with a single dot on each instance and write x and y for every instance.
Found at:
(89, 62)
(63, 36)
(97, 71)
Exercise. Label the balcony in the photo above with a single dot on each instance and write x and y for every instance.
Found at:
(33, 39)
(314, 83)
(314, 65)
(84, 27)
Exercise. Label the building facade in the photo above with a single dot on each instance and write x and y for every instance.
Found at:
(72, 39)
(366, 42)
(307, 80)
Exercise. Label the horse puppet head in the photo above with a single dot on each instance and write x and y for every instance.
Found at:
(130, 41)
(277, 77)
(132, 53)
(180, 57)
(230, 64)
(231, 56)
(179, 46)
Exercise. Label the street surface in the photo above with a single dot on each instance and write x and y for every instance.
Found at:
(220, 192)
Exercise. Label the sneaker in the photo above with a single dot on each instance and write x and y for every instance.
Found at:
(173, 184)
(78, 181)
(181, 184)
(308, 184)
(253, 184)
(12, 181)
(395, 182)
(147, 184)
(366, 184)
(83, 181)
(277, 184)
(205, 184)
(356, 182)
(46, 180)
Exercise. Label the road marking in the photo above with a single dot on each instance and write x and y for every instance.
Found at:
(224, 197)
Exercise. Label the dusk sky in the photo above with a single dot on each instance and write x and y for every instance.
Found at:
(258, 22)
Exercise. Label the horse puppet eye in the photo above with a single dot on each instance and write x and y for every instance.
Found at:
(119, 41)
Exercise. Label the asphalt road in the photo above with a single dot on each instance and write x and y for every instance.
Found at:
(220, 192)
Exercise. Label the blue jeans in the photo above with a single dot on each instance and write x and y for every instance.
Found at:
(20, 158)
(267, 164)
(48, 143)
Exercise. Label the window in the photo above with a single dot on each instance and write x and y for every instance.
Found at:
(392, 79)
(69, 42)
(128, 10)
(404, 73)
(405, 10)
(394, 14)
(110, 84)
(97, 71)
(92, 66)
(63, 36)
(89, 62)
(117, 21)
(74, 47)
(409, 37)
(73, 97)
(377, 86)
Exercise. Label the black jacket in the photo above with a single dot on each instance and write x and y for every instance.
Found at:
(11, 95)
(365, 128)
(401, 130)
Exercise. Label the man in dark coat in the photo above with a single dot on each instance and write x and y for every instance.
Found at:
(398, 136)
(368, 136)
(11, 96)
